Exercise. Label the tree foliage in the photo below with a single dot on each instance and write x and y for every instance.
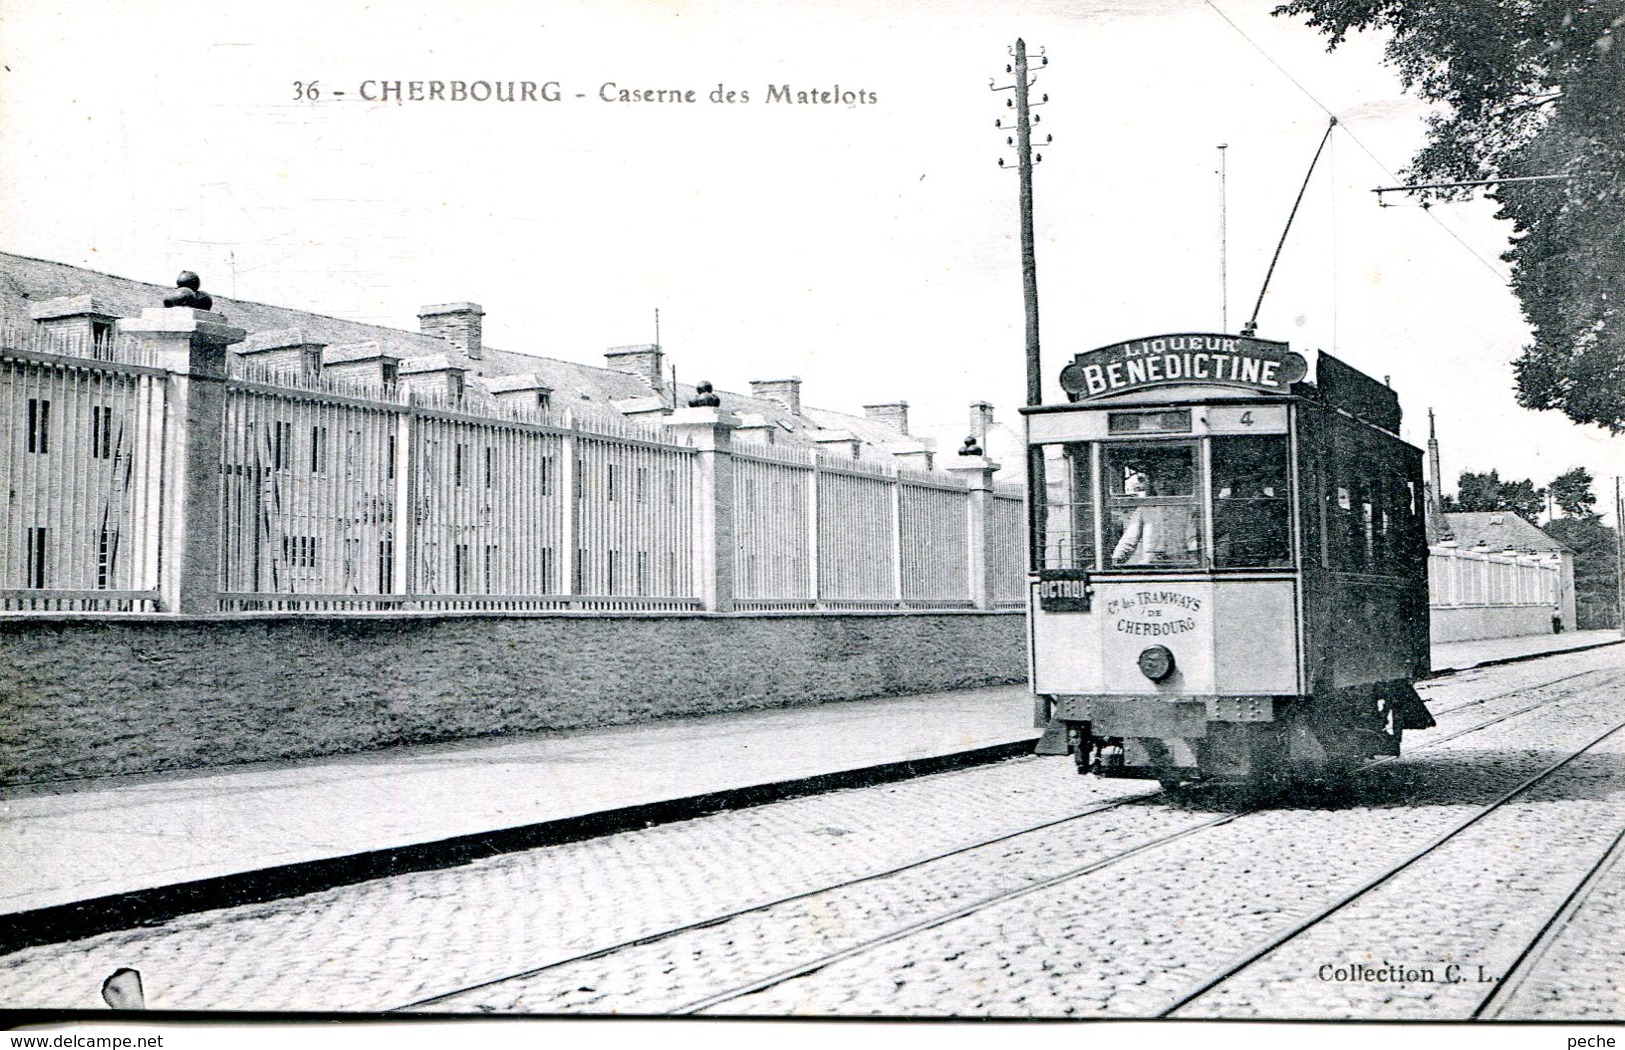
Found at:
(1487, 492)
(1571, 491)
(1596, 568)
(1528, 87)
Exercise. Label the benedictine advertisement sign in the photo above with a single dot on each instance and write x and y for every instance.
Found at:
(1189, 358)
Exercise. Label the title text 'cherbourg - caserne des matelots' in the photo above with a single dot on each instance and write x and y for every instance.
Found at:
(620, 91)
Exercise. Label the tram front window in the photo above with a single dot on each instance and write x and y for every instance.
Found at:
(1068, 524)
(1251, 514)
(1152, 518)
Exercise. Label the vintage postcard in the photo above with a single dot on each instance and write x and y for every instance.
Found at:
(929, 511)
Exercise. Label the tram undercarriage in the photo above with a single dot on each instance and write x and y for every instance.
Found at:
(1253, 741)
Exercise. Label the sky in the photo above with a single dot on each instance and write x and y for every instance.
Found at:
(871, 249)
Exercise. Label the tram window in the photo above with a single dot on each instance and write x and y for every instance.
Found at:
(1151, 501)
(1252, 516)
(1068, 524)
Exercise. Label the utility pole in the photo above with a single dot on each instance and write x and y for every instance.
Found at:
(1224, 271)
(1025, 159)
(1619, 555)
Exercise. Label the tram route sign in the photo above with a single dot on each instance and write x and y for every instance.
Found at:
(1204, 358)
(1064, 590)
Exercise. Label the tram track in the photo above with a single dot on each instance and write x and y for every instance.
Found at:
(1274, 944)
(1514, 692)
(1527, 965)
(723, 917)
(945, 918)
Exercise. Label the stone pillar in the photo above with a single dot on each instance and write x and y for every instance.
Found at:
(978, 472)
(710, 430)
(191, 346)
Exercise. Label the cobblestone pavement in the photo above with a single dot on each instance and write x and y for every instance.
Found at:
(1113, 945)
(1130, 940)
(383, 944)
(675, 973)
(1580, 976)
(1455, 922)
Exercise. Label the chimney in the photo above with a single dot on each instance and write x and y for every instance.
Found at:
(893, 414)
(645, 360)
(456, 323)
(787, 392)
(981, 421)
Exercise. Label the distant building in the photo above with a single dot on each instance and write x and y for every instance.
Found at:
(449, 350)
(1491, 574)
(255, 457)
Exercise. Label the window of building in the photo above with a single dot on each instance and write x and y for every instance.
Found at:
(459, 456)
(281, 444)
(642, 572)
(34, 557)
(299, 552)
(318, 450)
(101, 432)
(386, 565)
(492, 567)
(39, 425)
(549, 585)
(310, 359)
(643, 485)
(1252, 512)
(460, 569)
(490, 466)
(547, 475)
(390, 455)
(609, 483)
(106, 558)
(614, 572)
(101, 340)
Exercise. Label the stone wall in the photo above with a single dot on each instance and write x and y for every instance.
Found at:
(1472, 622)
(106, 695)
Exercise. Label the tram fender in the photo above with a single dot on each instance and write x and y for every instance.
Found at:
(1409, 710)
(1053, 742)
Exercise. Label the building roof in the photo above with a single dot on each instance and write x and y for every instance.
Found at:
(1499, 530)
(25, 282)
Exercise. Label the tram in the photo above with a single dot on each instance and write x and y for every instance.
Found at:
(1229, 564)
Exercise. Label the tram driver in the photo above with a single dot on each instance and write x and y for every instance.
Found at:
(1154, 533)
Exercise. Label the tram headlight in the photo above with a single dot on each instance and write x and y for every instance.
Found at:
(1157, 663)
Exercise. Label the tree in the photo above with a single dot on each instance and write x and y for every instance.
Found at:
(1527, 88)
(1596, 568)
(1487, 492)
(1571, 491)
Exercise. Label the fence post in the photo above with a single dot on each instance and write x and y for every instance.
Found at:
(191, 346)
(404, 527)
(568, 543)
(812, 528)
(710, 432)
(978, 473)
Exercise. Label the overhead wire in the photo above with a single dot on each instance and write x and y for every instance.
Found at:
(1501, 278)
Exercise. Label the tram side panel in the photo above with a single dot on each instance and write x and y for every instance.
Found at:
(1364, 572)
